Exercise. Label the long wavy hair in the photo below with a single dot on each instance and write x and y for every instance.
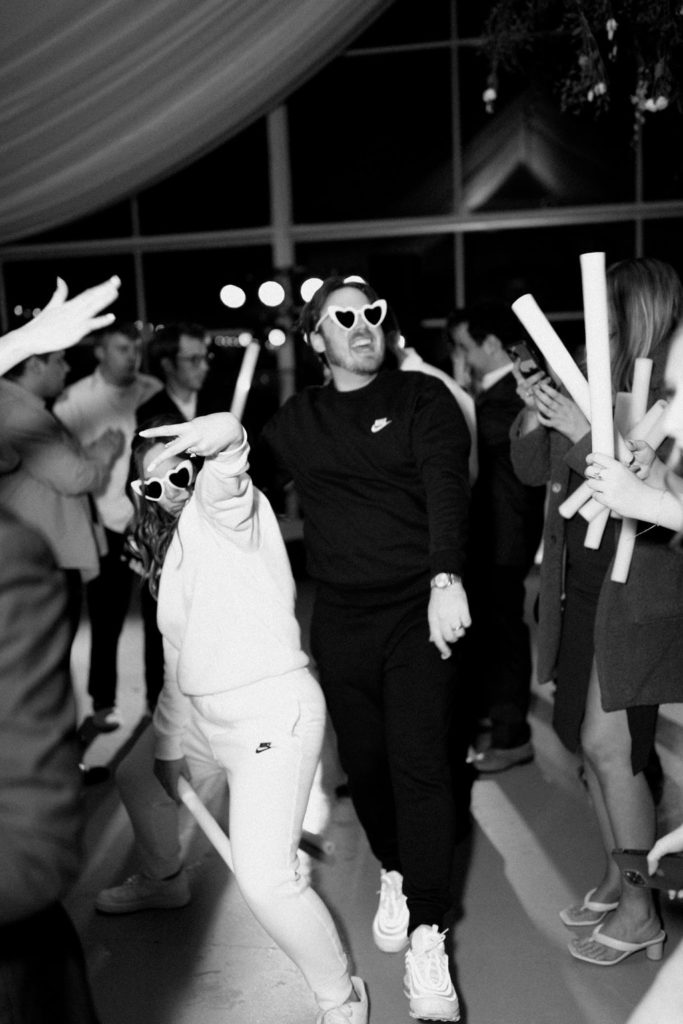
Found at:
(645, 304)
(153, 527)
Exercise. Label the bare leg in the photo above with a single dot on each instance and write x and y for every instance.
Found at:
(630, 813)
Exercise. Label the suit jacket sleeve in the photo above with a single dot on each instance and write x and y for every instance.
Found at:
(40, 782)
(50, 455)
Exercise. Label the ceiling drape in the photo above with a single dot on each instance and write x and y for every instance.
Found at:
(98, 98)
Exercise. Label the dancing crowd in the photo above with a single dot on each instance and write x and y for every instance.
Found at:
(425, 501)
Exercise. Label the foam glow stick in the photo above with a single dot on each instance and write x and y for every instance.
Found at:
(594, 286)
(530, 315)
(310, 842)
(642, 372)
(244, 379)
(578, 498)
(206, 821)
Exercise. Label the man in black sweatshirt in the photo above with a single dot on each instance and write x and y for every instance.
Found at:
(380, 464)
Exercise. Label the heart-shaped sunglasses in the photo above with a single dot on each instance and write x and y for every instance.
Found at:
(153, 489)
(347, 317)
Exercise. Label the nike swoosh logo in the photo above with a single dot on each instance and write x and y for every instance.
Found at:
(263, 746)
(379, 425)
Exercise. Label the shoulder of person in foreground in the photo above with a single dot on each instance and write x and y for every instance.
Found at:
(40, 782)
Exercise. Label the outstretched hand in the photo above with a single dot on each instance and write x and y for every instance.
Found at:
(204, 435)
(63, 322)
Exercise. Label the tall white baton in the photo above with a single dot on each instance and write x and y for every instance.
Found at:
(594, 285)
(244, 379)
(627, 538)
(530, 315)
(206, 821)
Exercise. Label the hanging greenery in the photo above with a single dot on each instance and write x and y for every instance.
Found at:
(595, 52)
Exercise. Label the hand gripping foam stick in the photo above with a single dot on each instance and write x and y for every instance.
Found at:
(627, 537)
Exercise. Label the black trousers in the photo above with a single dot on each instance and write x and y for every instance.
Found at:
(390, 699)
(43, 977)
(108, 598)
(497, 651)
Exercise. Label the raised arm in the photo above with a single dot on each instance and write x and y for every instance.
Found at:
(61, 324)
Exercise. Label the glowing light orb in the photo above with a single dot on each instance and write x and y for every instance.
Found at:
(276, 337)
(232, 296)
(309, 287)
(271, 293)
(245, 338)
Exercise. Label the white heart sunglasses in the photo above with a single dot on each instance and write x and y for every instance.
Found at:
(154, 488)
(346, 317)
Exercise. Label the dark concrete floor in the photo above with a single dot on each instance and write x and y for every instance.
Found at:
(534, 849)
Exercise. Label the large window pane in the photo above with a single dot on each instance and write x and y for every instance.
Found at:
(228, 188)
(545, 262)
(662, 241)
(405, 22)
(186, 286)
(371, 137)
(29, 284)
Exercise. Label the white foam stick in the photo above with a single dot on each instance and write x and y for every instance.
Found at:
(578, 498)
(642, 372)
(206, 821)
(594, 287)
(244, 379)
(530, 315)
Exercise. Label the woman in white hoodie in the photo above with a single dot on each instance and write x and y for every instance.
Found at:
(238, 694)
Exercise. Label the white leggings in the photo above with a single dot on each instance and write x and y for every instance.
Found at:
(267, 739)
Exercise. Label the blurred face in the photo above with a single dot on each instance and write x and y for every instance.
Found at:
(354, 355)
(673, 417)
(119, 359)
(172, 498)
(474, 356)
(53, 374)
(187, 372)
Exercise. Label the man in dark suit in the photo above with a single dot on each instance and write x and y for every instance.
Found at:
(505, 531)
(178, 356)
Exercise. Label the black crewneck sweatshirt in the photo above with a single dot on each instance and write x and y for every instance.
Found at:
(382, 477)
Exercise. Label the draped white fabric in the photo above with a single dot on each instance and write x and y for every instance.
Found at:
(100, 97)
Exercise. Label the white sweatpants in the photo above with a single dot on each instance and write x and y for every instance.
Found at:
(266, 738)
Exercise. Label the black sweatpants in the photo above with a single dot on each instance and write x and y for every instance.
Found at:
(108, 597)
(497, 651)
(390, 698)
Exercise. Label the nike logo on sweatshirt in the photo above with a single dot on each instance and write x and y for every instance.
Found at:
(379, 425)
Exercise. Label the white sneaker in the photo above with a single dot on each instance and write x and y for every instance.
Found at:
(390, 925)
(427, 979)
(142, 893)
(348, 1013)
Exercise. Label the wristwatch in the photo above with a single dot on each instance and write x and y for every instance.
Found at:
(443, 580)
